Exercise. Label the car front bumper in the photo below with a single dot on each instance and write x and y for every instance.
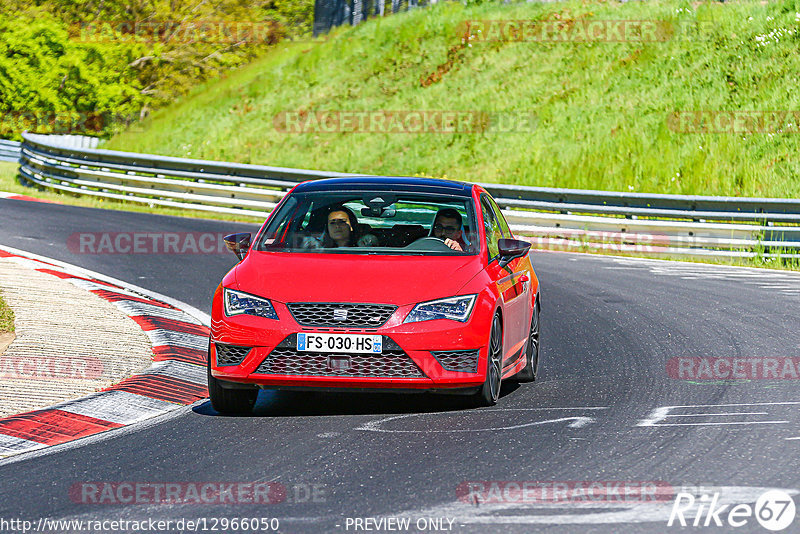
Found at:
(429, 355)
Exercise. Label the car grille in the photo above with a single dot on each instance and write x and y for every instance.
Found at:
(465, 361)
(230, 354)
(341, 314)
(392, 363)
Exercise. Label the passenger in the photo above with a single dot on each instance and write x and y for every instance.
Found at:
(342, 230)
(447, 226)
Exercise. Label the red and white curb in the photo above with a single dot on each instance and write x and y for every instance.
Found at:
(17, 196)
(177, 378)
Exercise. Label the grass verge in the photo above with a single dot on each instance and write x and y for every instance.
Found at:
(6, 317)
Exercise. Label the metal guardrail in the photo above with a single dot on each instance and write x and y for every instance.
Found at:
(565, 219)
(9, 150)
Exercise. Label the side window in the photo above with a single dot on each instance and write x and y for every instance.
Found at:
(501, 219)
(275, 236)
(492, 227)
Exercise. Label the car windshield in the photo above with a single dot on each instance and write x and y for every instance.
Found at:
(372, 222)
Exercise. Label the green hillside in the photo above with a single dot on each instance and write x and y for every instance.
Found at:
(602, 109)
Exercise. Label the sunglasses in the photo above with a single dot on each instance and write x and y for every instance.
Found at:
(338, 222)
(449, 229)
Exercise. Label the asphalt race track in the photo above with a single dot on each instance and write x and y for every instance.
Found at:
(604, 409)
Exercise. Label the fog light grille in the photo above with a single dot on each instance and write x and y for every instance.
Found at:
(231, 354)
(464, 361)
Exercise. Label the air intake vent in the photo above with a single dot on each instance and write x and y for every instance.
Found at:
(230, 354)
(285, 359)
(465, 361)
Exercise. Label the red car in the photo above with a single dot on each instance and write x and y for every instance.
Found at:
(390, 284)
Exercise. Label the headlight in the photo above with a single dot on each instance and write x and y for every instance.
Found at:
(455, 308)
(238, 303)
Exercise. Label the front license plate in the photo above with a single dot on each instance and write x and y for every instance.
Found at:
(345, 343)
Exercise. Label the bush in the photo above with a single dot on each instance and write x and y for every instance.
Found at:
(74, 66)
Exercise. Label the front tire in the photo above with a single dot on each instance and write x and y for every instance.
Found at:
(489, 392)
(229, 401)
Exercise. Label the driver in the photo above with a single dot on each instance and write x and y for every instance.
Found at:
(342, 230)
(447, 226)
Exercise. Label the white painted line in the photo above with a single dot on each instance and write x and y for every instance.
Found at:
(780, 403)
(670, 265)
(657, 415)
(161, 337)
(579, 422)
(545, 409)
(789, 439)
(14, 445)
(121, 407)
(185, 371)
(203, 317)
(374, 426)
(754, 276)
(138, 309)
(716, 414)
(723, 423)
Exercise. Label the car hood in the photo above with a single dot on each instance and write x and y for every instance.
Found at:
(399, 280)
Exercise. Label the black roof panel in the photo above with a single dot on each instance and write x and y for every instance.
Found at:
(388, 183)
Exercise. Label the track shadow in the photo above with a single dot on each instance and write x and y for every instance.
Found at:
(311, 403)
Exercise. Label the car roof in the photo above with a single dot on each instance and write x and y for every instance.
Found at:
(387, 183)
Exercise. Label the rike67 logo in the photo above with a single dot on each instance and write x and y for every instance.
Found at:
(774, 510)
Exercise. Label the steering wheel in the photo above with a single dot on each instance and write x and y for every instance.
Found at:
(428, 242)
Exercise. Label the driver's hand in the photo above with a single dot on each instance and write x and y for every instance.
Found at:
(453, 244)
(367, 240)
(310, 242)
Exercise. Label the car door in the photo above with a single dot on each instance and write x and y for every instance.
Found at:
(508, 281)
(523, 276)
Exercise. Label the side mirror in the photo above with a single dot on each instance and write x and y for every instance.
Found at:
(511, 249)
(239, 244)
